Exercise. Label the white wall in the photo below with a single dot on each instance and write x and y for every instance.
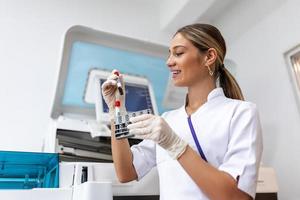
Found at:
(259, 33)
(31, 39)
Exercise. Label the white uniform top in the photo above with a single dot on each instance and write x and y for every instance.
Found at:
(230, 136)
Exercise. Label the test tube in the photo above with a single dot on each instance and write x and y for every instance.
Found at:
(119, 84)
(118, 117)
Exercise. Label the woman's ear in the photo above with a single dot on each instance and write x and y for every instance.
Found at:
(211, 56)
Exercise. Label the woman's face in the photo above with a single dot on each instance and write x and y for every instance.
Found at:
(185, 62)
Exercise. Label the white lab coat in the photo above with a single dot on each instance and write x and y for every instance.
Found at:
(229, 133)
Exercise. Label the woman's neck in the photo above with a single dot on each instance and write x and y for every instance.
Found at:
(197, 95)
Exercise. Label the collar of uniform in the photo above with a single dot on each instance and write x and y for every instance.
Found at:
(213, 94)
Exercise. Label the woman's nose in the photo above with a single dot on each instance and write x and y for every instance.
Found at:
(170, 62)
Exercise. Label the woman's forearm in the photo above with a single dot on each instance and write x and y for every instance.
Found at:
(122, 158)
(216, 184)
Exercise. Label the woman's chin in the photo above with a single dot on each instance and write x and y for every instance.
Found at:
(179, 83)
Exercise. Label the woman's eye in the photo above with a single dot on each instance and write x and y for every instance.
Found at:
(178, 54)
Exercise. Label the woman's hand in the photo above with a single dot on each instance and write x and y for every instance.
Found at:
(110, 93)
(155, 128)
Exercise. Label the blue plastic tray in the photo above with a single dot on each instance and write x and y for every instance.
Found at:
(27, 170)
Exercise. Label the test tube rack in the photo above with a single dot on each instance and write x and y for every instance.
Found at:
(122, 121)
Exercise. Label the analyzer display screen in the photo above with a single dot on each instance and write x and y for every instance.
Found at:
(137, 98)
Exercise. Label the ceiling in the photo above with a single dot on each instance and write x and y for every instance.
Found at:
(174, 15)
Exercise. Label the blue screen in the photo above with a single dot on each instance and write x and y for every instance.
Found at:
(85, 56)
(137, 98)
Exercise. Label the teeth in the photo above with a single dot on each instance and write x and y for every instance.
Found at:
(176, 71)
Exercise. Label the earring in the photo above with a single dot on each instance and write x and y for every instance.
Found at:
(211, 73)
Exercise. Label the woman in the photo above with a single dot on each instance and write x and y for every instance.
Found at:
(211, 147)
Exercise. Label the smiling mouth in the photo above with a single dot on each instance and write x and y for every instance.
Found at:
(176, 72)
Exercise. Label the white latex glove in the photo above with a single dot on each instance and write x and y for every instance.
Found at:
(110, 93)
(155, 128)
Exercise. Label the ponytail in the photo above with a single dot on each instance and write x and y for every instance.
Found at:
(229, 85)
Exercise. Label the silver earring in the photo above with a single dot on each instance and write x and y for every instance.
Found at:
(211, 73)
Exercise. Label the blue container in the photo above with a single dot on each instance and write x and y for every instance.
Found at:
(27, 170)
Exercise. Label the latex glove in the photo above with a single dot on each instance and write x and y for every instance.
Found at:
(155, 128)
(110, 93)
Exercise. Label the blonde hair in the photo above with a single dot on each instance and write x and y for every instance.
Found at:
(205, 36)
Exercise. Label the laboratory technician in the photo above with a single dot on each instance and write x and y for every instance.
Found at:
(211, 147)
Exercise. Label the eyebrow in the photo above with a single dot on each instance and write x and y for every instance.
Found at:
(177, 46)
